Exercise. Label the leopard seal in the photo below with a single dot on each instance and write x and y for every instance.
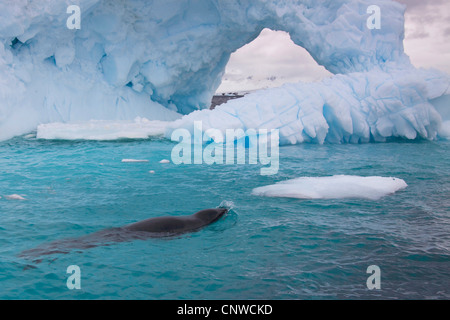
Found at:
(170, 225)
(159, 227)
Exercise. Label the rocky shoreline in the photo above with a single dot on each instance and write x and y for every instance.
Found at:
(217, 100)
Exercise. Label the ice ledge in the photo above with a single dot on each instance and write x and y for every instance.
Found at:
(355, 108)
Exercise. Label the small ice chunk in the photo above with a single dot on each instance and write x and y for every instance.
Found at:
(335, 187)
(15, 197)
(151, 172)
(165, 161)
(134, 161)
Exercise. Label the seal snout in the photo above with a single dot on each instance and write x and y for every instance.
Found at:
(223, 211)
(220, 212)
(211, 215)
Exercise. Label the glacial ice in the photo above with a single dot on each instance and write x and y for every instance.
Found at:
(352, 108)
(335, 187)
(158, 59)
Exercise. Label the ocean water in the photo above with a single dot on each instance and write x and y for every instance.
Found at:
(265, 248)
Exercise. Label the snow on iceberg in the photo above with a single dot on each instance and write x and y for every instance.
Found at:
(158, 58)
(335, 187)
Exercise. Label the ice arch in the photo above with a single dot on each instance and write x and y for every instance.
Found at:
(159, 58)
(269, 61)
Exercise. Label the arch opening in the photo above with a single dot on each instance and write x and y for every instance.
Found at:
(269, 61)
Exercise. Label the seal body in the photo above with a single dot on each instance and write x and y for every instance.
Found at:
(151, 228)
(178, 225)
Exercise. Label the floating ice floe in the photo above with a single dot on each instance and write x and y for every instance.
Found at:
(102, 130)
(335, 187)
(15, 197)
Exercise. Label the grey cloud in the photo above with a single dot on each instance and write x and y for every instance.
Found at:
(418, 5)
(418, 35)
(446, 32)
(426, 19)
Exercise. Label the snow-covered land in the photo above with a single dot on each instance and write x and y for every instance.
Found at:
(160, 59)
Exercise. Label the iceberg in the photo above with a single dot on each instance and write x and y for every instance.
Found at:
(160, 59)
(358, 107)
(335, 187)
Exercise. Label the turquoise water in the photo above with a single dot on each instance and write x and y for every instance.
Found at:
(266, 248)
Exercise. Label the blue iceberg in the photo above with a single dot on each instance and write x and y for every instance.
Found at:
(163, 60)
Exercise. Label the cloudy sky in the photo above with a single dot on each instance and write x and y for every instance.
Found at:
(273, 59)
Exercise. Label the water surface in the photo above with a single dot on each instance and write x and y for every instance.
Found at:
(266, 248)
